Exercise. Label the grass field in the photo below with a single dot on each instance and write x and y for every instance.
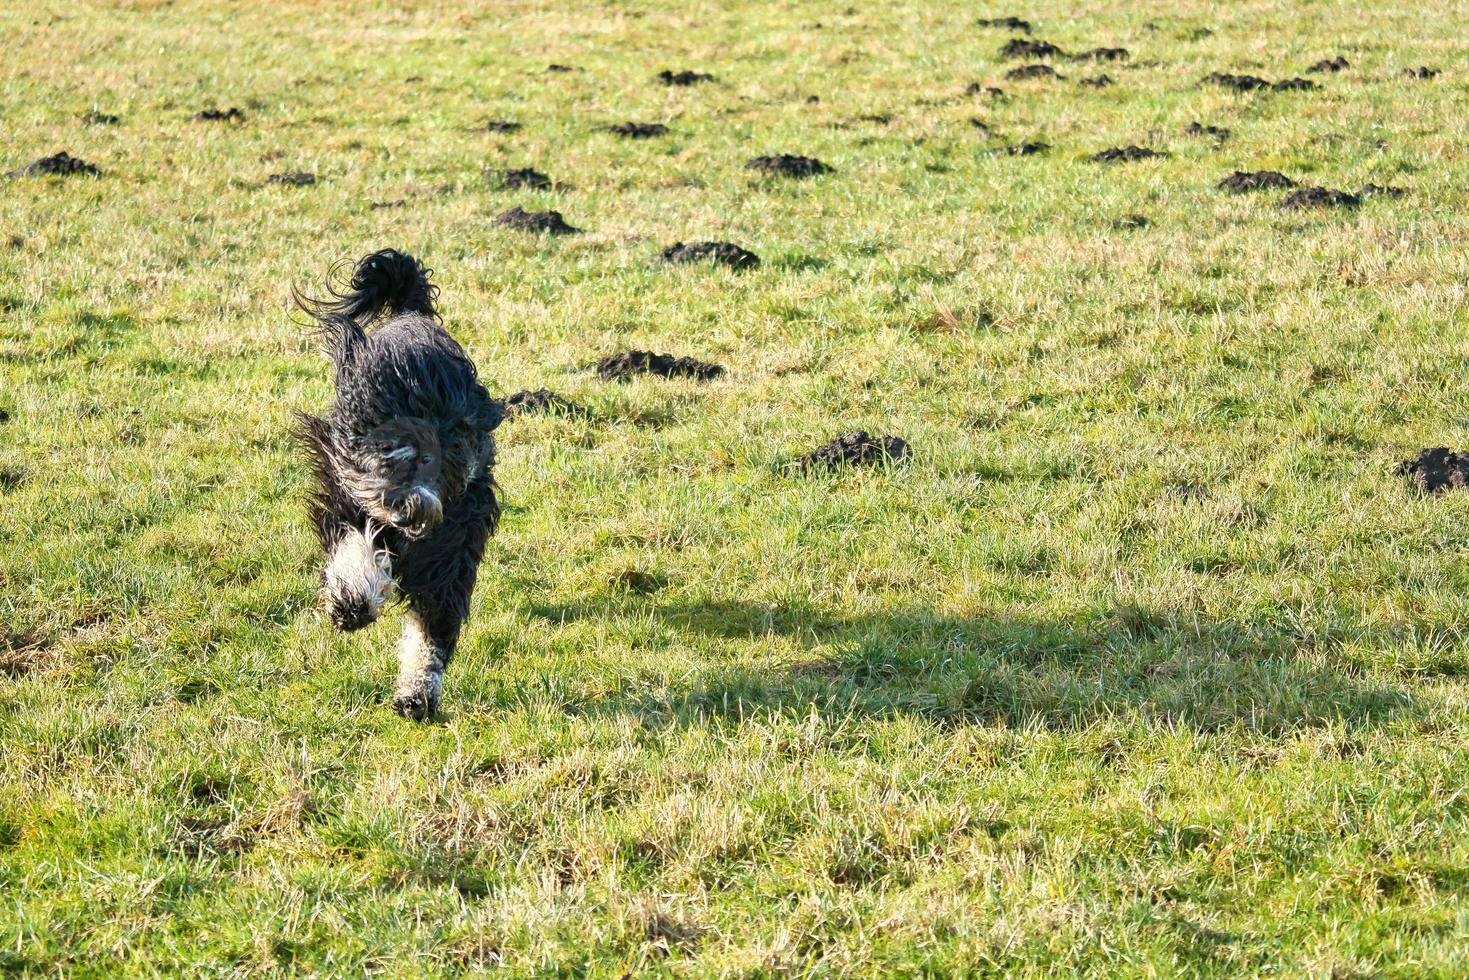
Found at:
(1145, 664)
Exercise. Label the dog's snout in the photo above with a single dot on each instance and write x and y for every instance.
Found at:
(419, 511)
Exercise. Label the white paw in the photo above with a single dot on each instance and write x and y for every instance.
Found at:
(358, 581)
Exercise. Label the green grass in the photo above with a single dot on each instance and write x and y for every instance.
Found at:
(1033, 704)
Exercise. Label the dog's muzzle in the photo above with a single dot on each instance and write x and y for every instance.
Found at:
(418, 512)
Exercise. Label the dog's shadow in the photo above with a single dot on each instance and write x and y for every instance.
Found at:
(1172, 668)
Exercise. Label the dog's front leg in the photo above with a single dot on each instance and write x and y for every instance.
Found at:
(429, 637)
(357, 580)
(437, 577)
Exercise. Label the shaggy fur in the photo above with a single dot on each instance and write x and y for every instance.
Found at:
(403, 459)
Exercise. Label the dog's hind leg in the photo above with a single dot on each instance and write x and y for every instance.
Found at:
(357, 580)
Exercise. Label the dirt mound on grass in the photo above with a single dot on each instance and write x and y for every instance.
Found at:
(683, 78)
(1437, 469)
(1103, 54)
(501, 126)
(1251, 83)
(1320, 197)
(1260, 180)
(1213, 132)
(1020, 47)
(231, 114)
(622, 367)
(638, 131)
(1240, 83)
(1024, 149)
(1422, 71)
(853, 449)
(1131, 222)
(525, 178)
(549, 222)
(292, 178)
(1125, 154)
(1010, 23)
(541, 401)
(61, 163)
(555, 69)
(95, 118)
(1097, 81)
(1031, 71)
(720, 253)
(1382, 190)
(1329, 65)
(788, 165)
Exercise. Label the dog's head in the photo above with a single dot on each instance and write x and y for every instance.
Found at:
(395, 472)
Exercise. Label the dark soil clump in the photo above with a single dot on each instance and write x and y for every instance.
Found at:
(788, 165)
(1131, 222)
(292, 178)
(1382, 190)
(1436, 470)
(1213, 132)
(549, 222)
(385, 205)
(1010, 23)
(1024, 149)
(683, 78)
(854, 449)
(1019, 47)
(621, 367)
(1320, 197)
(1294, 85)
(1240, 83)
(501, 126)
(1124, 154)
(525, 178)
(988, 91)
(1097, 81)
(980, 125)
(1329, 65)
(61, 163)
(95, 118)
(554, 69)
(638, 131)
(1261, 180)
(231, 114)
(1031, 71)
(541, 401)
(1422, 71)
(721, 253)
(1103, 54)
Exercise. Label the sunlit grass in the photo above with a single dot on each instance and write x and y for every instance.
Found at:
(1145, 664)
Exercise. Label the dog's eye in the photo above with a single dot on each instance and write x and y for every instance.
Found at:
(425, 459)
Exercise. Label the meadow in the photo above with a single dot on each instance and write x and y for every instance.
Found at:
(1146, 662)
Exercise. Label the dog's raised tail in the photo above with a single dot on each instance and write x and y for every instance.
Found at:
(387, 281)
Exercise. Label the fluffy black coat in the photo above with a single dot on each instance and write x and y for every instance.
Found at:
(404, 466)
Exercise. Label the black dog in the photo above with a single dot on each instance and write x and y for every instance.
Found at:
(403, 459)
